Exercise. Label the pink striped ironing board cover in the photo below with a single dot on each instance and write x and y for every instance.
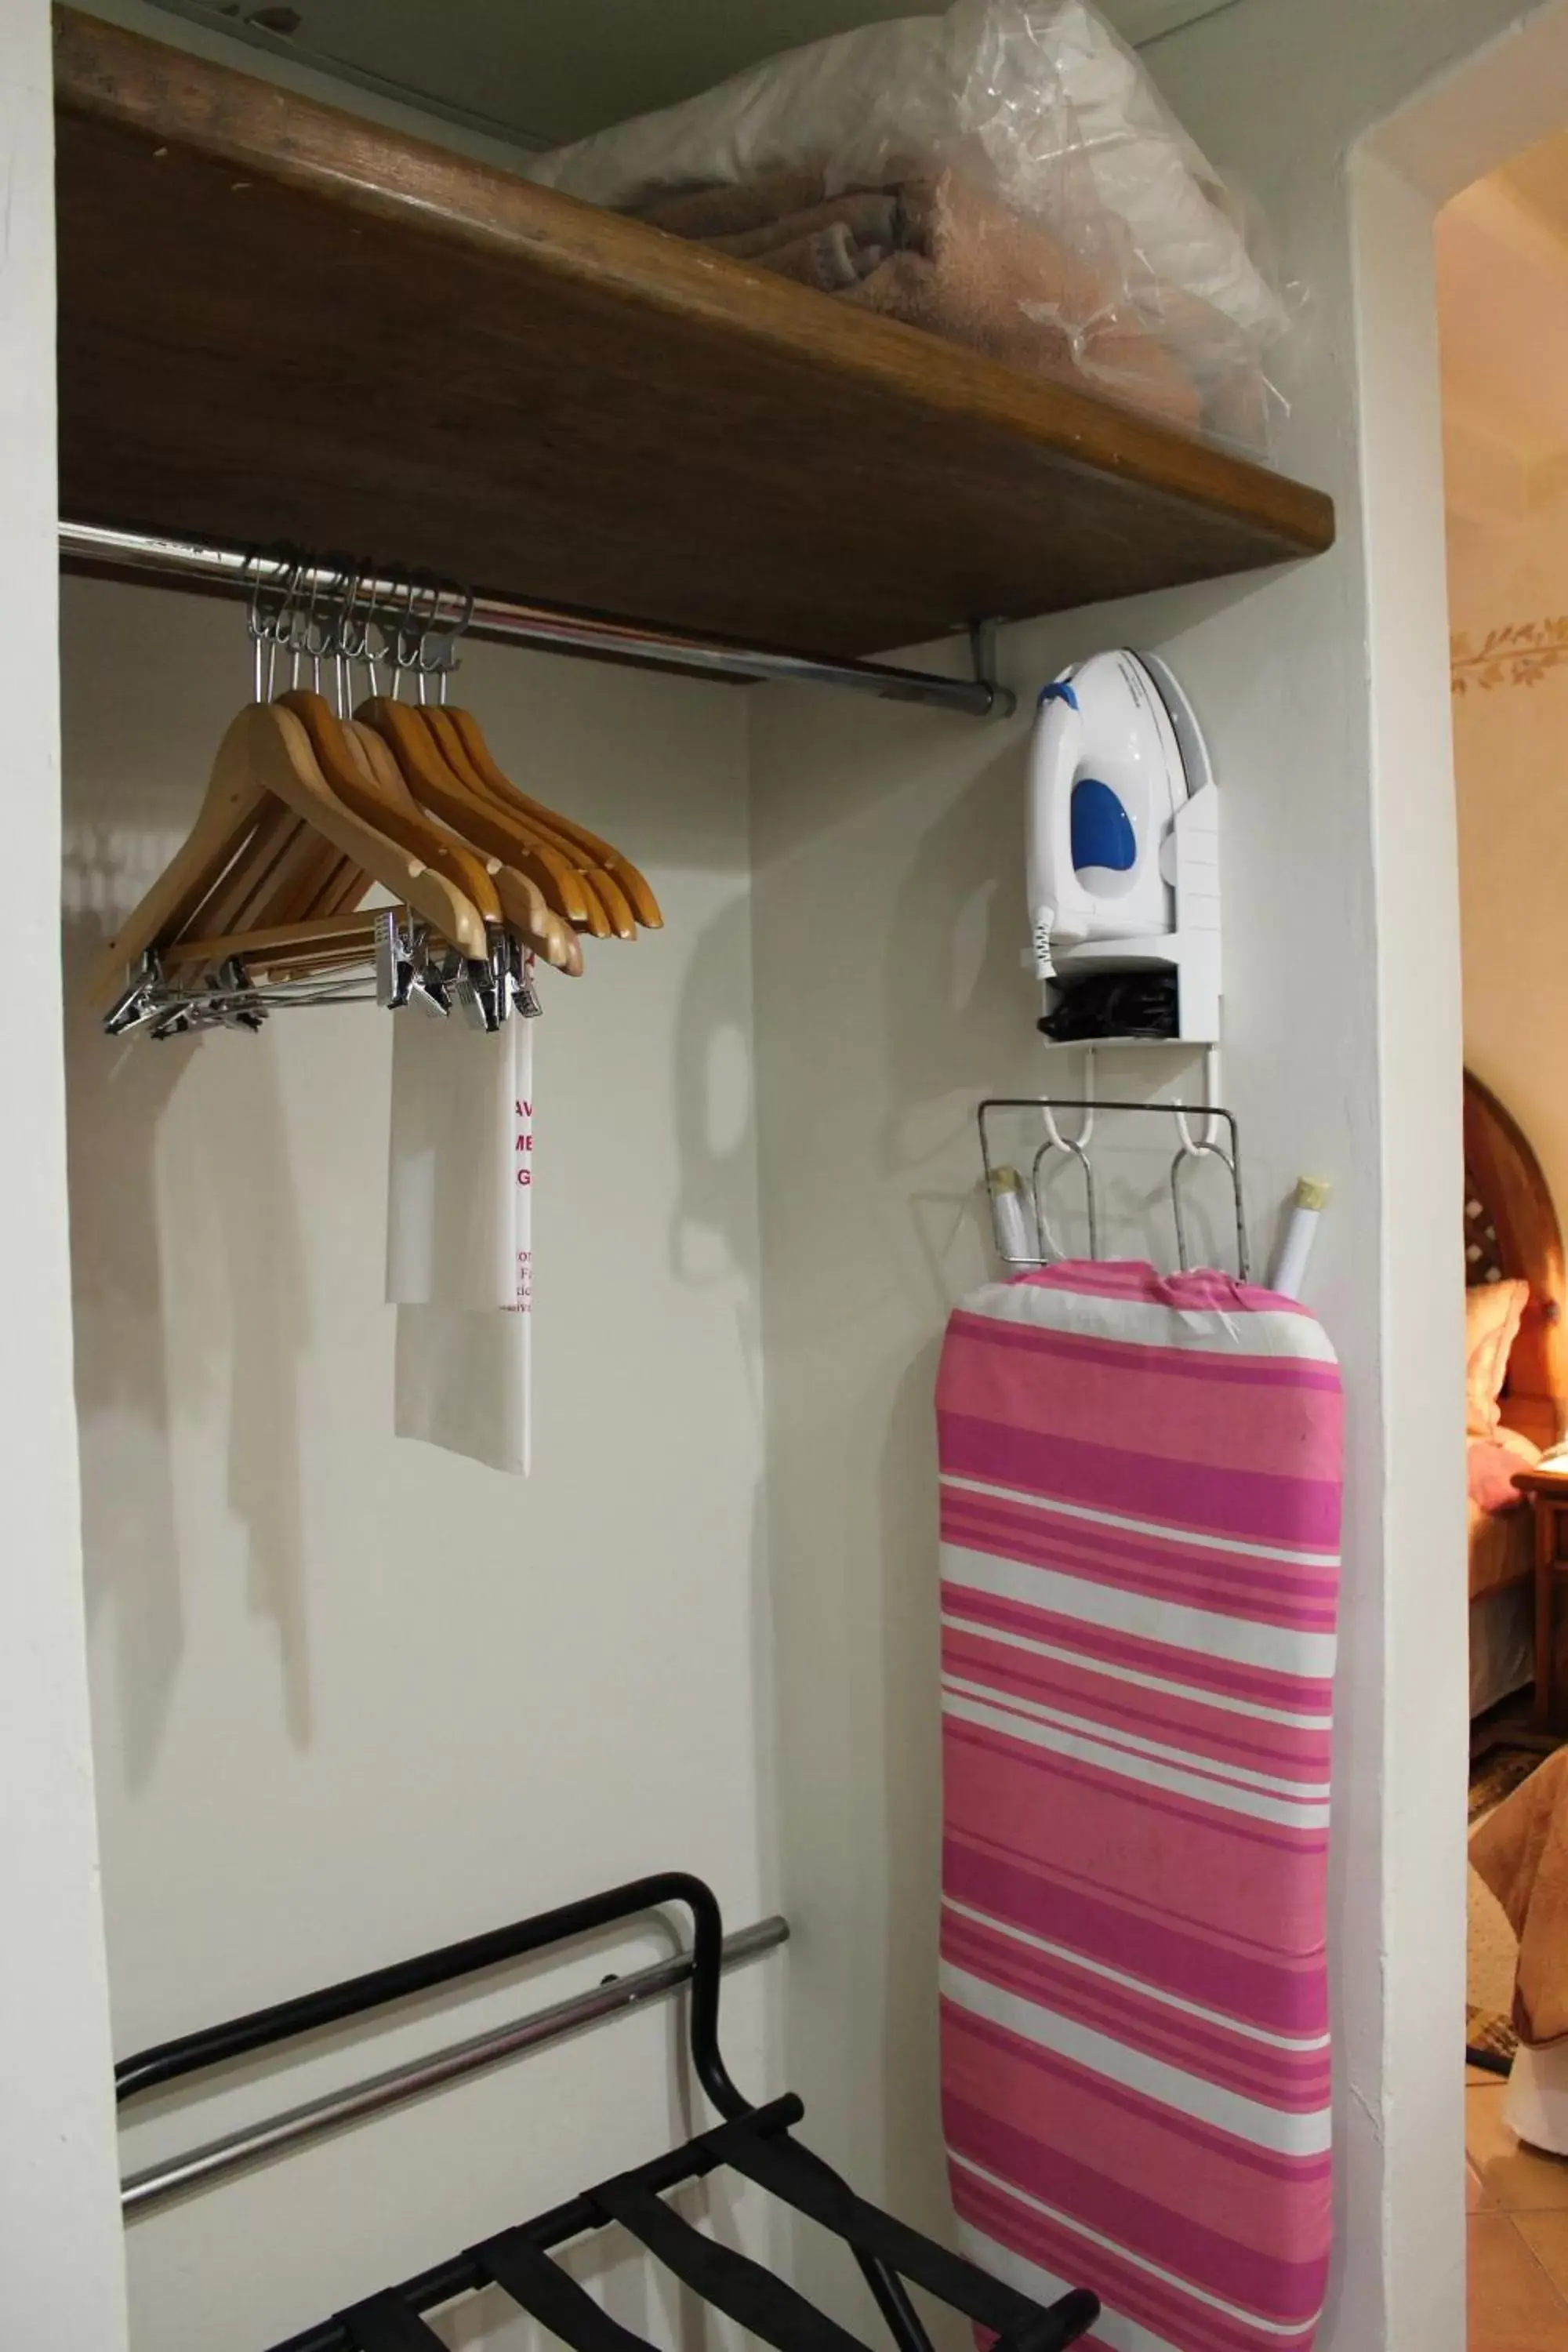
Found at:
(1139, 1517)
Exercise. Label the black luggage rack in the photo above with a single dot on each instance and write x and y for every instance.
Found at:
(754, 2142)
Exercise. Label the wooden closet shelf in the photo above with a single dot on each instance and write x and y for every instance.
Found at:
(281, 321)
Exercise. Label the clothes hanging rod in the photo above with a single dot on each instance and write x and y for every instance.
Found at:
(95, 547)
(217, 2158)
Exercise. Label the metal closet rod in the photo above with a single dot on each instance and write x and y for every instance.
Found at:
(215, 2159)
(553, 630)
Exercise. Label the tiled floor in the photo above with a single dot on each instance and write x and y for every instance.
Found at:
(1519, 2232)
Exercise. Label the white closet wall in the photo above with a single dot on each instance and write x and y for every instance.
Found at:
(355, 1697)
(61, 2272)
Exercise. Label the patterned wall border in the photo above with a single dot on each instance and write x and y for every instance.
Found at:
(1523, 654)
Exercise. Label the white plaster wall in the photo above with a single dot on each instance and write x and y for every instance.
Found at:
(354, 1698)
(61, 2277)
(887, 905)
(1510, 738)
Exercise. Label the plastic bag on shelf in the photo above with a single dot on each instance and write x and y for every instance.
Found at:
(1005, 176)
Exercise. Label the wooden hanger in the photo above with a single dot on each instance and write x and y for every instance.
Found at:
(308, 877)
(552, 842)
(266, 757)
(546, 864)
(636, 888)
(280, 877)
(253, 874)
(523, 904)
(277, 742)
(234, 802)
(318, 941)
(391, 809)
(439, 789)
(340, 886)
(523, 901)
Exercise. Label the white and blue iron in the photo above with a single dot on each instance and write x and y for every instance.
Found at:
(1122, 840)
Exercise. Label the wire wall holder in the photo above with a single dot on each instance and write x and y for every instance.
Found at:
(1020, 1222)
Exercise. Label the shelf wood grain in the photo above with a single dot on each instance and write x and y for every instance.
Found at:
(281, 321)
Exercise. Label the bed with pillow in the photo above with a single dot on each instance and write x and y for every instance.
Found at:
(1516, 1387)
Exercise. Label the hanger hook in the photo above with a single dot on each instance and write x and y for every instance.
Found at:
(438, 647)
(316, 635)
(286, 626)
(272, 573)
(402, 644)
(293, 638)
(423, 617)
(341, 575)
(380, 628)
(252, 564)
(353, 637)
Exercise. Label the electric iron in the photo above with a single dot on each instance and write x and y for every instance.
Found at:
(1122, 844)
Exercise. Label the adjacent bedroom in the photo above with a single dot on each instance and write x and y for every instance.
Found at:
(1503, 296)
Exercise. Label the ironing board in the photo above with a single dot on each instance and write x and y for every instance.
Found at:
(1139, 1517)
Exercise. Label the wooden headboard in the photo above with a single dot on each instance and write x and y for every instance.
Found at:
(1511, 1229)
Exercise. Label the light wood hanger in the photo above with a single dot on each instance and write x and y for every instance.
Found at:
(342, 886)
(252, 875)
(310, 878)
(551, 843)
(439, 789)
(522, 902)
(234, 801)
(339, 885)
(645, 905)
(295, 882)
(267, 758)
(392, 810)
(316, 938)
(539, 897)
(280, 877)
(278, 744)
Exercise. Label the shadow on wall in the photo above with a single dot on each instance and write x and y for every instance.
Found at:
(713, 1233)
(887, 985)
(188, 1285)
(910, 1635)
(713, 1246)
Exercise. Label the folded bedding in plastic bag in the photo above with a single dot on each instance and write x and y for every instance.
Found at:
(1005, 176)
